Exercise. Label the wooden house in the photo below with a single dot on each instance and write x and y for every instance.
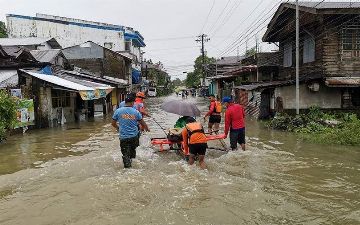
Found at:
(329, 56)
(329, 52)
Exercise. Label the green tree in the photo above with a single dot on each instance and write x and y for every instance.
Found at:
(177, 82)
(7, 113)
(250, 52)
(3, 33)
(193, 79)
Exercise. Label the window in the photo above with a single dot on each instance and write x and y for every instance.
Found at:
(351, 42)
(355, 97)
(127, 45)
(309, 49)
(287, 55)
(108, 45)
(60, 98)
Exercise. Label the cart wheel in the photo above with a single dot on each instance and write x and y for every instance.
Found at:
(186, 158)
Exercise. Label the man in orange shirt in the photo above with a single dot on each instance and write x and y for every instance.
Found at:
(139, 103)
(194, 141)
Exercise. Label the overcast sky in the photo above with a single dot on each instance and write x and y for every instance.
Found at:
(169, 27)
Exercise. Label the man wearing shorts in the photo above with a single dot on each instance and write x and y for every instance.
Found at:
(194, 141)
(125, 120)
(215, 115)
(235, 123)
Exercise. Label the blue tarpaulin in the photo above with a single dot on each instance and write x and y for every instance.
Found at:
(136, 76)
(46, 70)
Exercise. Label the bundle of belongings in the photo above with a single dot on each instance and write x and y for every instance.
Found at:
(175, 134)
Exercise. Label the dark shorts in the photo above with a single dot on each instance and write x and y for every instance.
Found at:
(237, 137)
(128, 149)
(215, 119)
(198, 149)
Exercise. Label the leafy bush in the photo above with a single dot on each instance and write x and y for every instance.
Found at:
(7, 113)
(314, 126)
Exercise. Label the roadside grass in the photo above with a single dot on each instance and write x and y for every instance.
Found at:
(319, 127)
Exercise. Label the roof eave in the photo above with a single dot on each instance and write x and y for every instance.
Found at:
(266, 37)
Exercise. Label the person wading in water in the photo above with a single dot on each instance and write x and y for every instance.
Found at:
(126, 120)
(215, 114)
(235, 122)
(195, 142)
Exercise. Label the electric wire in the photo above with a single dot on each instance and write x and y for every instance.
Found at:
(220, 15)
(207, 18)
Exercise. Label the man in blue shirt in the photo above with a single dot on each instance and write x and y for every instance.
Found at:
(125, 120)
(138, 104)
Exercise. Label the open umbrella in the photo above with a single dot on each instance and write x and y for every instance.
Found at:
(181, 108)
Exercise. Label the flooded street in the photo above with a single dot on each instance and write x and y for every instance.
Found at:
(75, 176)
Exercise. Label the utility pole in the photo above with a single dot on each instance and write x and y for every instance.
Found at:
(297, 59)
(203, 38)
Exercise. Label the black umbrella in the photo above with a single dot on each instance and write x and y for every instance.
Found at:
(182, 108)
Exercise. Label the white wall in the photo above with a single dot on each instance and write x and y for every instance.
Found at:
(327, 98)
(66, 35)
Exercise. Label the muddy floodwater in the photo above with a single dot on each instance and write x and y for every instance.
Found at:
(74, 175)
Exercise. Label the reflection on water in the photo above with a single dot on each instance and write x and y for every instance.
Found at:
(280, 180)
(28, 150)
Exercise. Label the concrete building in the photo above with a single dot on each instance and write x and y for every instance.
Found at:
(70, 32)
(99, 60)
(104, 63)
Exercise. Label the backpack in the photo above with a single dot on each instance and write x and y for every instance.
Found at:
(191, 131)
(218, 107)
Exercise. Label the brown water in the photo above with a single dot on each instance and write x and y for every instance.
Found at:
(60, 176)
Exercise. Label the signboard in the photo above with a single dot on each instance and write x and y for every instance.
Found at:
(25, 113)
(16, 93)
(96, 94)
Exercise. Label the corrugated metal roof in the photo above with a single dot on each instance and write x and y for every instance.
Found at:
(113, 81)
(328, 5)
(229, 60)
(8, 78)
(45, 55)
(250, 87)
(343, 82)
(16, 51)
(118, 80)
(84, 82)
(23, 41)
(250, 68)
(126, 55)
(309, 7)
(59, 81)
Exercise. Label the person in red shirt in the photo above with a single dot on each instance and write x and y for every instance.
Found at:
(235, 123)
(214, 113)
(139, 103)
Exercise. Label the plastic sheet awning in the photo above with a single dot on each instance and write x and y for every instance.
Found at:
(136, 76)
(87, 90)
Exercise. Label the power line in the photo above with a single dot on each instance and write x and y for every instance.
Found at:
(172, 49)
(171, 38)
(207, 18)
(241, 22)
(331, 22)
(221, 13)
(258, 22)
(241, 39)
(227, 17)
